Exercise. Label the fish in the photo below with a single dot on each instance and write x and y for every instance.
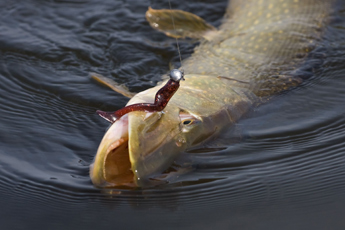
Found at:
(253, 55)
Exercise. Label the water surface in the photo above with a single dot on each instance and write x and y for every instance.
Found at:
(281, 167)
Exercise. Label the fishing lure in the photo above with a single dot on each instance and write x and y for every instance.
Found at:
(161, 99)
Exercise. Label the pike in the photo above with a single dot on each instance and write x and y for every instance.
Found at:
(252, 56)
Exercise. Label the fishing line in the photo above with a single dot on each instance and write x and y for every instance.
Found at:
(173, 22)
(162, 96)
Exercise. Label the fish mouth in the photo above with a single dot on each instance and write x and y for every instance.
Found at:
(117, 166)
(112, 166)
(136, 148)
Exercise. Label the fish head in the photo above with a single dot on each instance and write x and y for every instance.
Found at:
(141, 145)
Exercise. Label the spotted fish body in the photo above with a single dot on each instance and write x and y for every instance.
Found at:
(256, 51)
(260, 41)
(252, 56)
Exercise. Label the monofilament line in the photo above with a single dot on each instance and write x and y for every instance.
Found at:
(173, 22)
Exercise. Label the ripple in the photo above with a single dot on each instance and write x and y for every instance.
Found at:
(289, 161)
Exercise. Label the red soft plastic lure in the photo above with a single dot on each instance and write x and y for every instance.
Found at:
(161, 99)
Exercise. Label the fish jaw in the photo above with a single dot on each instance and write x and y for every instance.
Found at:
(111, 165)
(155, 140)
(137, 148)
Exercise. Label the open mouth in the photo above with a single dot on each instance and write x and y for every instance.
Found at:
(117, 166)
(113, 156)
(136, 148)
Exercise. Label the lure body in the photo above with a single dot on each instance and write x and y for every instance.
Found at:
(161, 99)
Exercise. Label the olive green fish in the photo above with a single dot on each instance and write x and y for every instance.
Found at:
(252, 56)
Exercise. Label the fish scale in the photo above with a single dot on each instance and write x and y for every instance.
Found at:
(257, 35)
(252, 56)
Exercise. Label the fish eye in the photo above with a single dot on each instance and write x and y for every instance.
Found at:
(187, 121)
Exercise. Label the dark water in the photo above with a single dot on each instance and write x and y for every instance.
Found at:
(283, 166)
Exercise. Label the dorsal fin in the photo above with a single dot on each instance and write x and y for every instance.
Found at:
(186, 24)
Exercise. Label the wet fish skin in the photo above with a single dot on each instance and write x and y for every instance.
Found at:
(262, 42)
(252, 56)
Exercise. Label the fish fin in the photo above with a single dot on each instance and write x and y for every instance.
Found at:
(276, 84)
(121, 89)
(186, 24)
